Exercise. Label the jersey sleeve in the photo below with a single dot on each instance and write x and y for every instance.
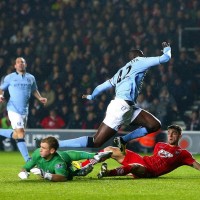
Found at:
(33, 161)
(187, 158)
(100, 88)
(5, 83)
(34, 85)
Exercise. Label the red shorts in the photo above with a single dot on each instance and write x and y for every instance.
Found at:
(132, 157)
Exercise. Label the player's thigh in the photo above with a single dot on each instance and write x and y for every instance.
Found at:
(117, 113)
(117, 154)
(17, 121)
(145, 118)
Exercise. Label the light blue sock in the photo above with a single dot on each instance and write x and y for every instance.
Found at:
(6, 132)
(23, 148)
(77, 142)
(135, 134)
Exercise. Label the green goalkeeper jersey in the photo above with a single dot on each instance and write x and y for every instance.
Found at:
(60, 164)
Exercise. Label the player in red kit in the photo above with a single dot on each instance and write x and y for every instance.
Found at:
(166, 157)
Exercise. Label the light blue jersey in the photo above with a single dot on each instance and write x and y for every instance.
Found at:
(128, 80)
(20, 88)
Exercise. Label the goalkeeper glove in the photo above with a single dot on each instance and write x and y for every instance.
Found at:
(42, 173)
(23, 175)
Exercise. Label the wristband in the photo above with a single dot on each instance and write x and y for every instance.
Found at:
(48, 176)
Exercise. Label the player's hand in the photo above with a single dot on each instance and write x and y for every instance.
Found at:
(23, 175)
(2, 99)
(166, 47)
(43, 100)
(41, 173)
(165, 44)
(84, 96)
(89, 97)
(37, 171)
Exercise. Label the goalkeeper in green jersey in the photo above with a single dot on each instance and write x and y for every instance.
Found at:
(56, 165)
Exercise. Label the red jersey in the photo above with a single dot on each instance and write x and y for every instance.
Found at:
(166, 158)
(52, 123)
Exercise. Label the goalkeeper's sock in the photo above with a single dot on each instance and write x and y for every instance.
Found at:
(6, 132)
(79, 155)
(23, 149)
(77, 142)
(140, 132)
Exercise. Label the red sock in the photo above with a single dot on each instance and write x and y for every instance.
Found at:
(84, 163)
(120, 171)
(90, 161)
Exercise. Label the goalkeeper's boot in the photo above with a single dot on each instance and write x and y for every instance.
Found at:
(102, 156)
(103, 171)
(118, 142)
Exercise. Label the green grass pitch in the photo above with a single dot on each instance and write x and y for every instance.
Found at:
(183, 183)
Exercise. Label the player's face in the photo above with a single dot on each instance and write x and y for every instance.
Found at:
(45, 151)
(173, 137)
(20, 65)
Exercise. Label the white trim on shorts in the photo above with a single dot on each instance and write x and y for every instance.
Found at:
(119, 113)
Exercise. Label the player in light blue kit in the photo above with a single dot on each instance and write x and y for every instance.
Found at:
(20, 85)
(122, 110)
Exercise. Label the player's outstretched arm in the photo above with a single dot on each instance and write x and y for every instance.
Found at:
(39, 97)
(47, 175)
(98, 90)
(196, 165)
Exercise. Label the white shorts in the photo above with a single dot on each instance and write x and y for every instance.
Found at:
(17, 120)
(119, 113)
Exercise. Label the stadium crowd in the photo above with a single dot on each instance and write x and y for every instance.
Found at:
(71, 46)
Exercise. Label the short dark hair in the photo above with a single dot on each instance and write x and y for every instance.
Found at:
(51, 141)
(137, 52)
(175, 127)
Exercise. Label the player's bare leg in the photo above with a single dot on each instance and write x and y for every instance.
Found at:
(103, 134)
(117, 154)
(146, 119)
(147, 123)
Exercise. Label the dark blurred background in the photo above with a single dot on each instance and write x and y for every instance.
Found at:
(71, 46)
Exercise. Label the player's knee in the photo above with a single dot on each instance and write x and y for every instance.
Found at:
(116, 151)
(154, 126)
(109, 148)
(19, 134)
